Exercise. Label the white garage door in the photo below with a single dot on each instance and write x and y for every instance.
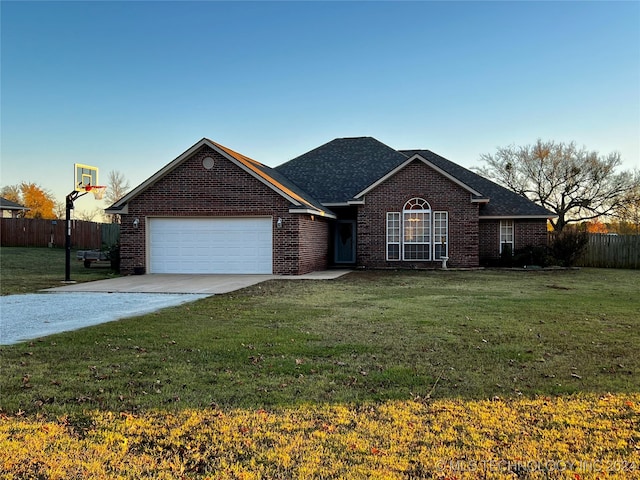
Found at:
(210, 245)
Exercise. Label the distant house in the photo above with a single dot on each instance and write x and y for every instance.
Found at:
(11, 209)
(351, 202)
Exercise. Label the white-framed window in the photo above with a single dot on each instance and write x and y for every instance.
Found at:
(506, 235)
(416, 230)
(440, 235)
(417, 233)
(393, 235)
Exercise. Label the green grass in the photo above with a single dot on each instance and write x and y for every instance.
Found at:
(369, 336)
(27, 270)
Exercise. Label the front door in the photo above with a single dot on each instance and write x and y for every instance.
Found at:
(345, 241)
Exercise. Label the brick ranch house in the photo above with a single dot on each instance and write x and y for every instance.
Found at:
(351, 202)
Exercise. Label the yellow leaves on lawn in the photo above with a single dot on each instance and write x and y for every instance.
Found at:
(575, 437)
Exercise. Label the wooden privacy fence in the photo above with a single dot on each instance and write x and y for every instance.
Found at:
(33, 232)
(110, 233)
(611, 251)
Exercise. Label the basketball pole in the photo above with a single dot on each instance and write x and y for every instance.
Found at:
(70, 199)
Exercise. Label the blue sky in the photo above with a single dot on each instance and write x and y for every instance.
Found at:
(128, 86)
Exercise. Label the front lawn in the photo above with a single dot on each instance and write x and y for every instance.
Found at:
(412, 345)
(29, 269)
(370, 336)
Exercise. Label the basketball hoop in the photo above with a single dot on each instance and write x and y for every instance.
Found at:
(98, 191)
(84, 176)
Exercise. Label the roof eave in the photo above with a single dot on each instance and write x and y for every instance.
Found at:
(13, 208)
(311, 211)
(348, 203)
(117, 211)
(516, 217)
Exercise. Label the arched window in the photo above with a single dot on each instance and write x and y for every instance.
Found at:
(417, 233)
(416, 220)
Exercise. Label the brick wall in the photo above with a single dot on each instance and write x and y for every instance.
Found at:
(530, 233)
(527, 233)
(489, 239)
(314, 243)
(418, 180)
(302, 245)
(190, 190)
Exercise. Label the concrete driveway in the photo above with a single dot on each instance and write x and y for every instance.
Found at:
(200, 284)
(159, 283)
(70, 307)
(35, 315)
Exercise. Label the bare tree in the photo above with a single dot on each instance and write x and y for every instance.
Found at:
(575, 184)
(117, 187)
(628, 214)
(60, 210)
(94, 215)
(12, 192)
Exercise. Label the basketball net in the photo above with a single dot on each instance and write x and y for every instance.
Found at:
(98, 191)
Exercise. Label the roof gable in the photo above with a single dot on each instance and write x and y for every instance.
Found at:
(268, 176)
(502, 201)
(477, 196)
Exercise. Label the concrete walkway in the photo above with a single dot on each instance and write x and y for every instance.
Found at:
(200, 284)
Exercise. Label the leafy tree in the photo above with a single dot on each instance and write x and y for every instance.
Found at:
(596, 226)
(575, 184)
(117, 187)
(40, 202)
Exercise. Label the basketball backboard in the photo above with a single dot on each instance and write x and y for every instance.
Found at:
(84, 175)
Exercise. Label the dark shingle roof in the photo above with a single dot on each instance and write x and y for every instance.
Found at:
(341, 169)
(502, 201)
(9, 205)
(337, 171)
(275, 178)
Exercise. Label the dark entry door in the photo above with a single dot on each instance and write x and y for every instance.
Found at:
(345, 241)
